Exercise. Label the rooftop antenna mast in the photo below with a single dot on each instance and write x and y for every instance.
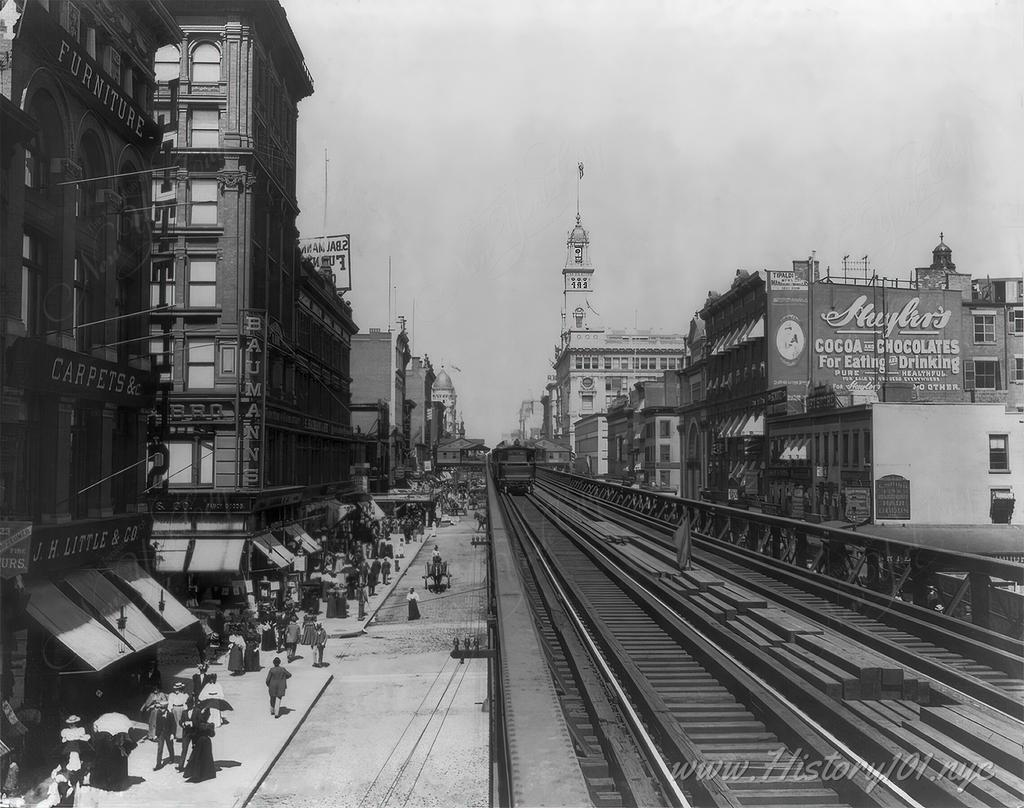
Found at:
(326, 161)
(579, 182)
(389, 293)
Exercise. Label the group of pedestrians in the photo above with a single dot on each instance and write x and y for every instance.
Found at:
(190, 717)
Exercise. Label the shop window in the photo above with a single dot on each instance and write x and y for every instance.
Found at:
(199, 364)
(204, 128)
(161, 282)
(167, 63)
(998, 453)
(984, 329)
(203, 201)
(202, 283)
(206, 64)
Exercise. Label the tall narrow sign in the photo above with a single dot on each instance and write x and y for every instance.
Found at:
(252, 399)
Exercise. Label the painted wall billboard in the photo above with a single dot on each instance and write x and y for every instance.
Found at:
(865, 336)
(336, 252)
(788, 329)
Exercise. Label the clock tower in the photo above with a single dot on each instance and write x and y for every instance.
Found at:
(578, 281)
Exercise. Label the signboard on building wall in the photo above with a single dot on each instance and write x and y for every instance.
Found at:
(864, 337)
(892, 497)
(14, 545)
(858, 504)
(335, 252)
(787, 331)
(252, 388)
(95, 85)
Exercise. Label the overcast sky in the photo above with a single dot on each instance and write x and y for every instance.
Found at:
(714, 136)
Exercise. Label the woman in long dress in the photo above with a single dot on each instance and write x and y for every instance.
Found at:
(236, 656)
(308, 631)
(200, 764)
(177, 704)
(151, 707)
(212, 690)
(268, 636)
(414, 604)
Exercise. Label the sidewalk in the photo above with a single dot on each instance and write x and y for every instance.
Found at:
(246, 747)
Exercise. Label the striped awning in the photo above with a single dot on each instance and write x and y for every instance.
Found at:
(171, 554)
(111, 604)
(308, 543)
(156, 597)
(83, 635)
(273, 550)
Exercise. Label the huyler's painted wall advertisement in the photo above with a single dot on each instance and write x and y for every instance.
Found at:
(865, 336)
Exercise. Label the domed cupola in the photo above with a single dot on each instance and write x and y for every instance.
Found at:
(942, 256)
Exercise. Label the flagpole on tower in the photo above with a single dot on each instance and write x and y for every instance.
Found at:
(579, 182)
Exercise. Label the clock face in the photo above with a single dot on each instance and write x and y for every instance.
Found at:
(789, 340)
(579, 255)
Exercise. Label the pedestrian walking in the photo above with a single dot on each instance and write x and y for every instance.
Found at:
(166, 731)
(74, 743)
(202, 642)
(308, 631)
(291, 637)
(363, 600)
(61, 791)
(385, 570)
(200, 764)
(321, 644)
(268, 637)
(212, 690)
(187, 733)
(177, 704)
(251, 655)
(277, 684)
(199, 680)
(156, 700)
(414, 604)
(236, 654)
(371, 580)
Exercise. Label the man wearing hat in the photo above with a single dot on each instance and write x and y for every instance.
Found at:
(320, 643)
(165, 730)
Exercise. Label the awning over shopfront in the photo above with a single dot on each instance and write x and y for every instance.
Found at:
(795, 449)
(753, 427)
(216, 554)
(83, 635)
(376, 512)
(171, 554)
(753, 331)
(308, 542)
(111, 603)
(273, 550)
(155, 596)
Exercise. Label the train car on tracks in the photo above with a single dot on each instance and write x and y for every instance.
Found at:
(514, 466)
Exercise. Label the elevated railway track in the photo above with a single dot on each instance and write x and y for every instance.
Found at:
(740, 683)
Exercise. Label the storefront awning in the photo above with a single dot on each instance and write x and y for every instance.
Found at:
(273, 550)
(753, 426)
(307, 541)
(216, 554)
(84, 636)
(376, 512)
(111, 603)
(756, 330)
(170, 554)
(172, 611)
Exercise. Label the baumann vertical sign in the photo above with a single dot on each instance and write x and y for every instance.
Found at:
(252, 389)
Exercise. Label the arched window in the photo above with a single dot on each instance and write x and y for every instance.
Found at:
(206, 64)
(167, 62)
(578, 315)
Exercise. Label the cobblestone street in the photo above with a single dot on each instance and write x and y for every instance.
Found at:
(402, 723)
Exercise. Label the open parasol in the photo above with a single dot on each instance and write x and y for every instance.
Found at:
(116, 723)
(215, 704)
